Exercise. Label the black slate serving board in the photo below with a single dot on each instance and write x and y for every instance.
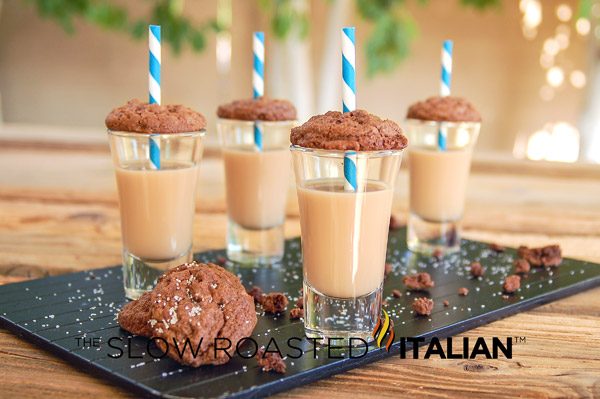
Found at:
(52, 312)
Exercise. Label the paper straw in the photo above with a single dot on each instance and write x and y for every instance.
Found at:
(348, 70)
(350, 181)
(154, 87)
(349, 100)
(445, 81)
(258, 80)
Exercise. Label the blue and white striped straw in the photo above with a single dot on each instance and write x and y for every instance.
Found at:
(348, 70)
(258, 80)
(154, 87)
(445, 82)
(350, 183)
(349, 100)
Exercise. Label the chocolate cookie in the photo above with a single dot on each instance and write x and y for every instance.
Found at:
(140, 117)
(258, 109)
(135, 315)
(440, 109)
(357, 130)
(205, 304)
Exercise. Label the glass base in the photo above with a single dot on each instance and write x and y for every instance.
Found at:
(254, 246)
(429, 237)
(341, 318)
(140, 275)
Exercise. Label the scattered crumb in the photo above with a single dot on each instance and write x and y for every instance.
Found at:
(418, 281)
(548, 256)
(388, 269)
(257, 293)
(438, 254)
(422, 306)
(296, 313)
(497, 247)
(446, 303)
(221, 260)
(511, 284)
(463, 291)
(274, 302)
(396, 293)
(270, 361)
(477, 270)
(522, 266)
(394, 223)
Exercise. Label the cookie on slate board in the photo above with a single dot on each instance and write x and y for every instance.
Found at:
(201, 304)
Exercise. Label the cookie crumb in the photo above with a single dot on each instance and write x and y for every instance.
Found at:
(388, 269)
(548, 256)
(512, 283)
(497, 247)
(257, 293)
(522, 266)
(274, 302)
(463, 291)
(418, 281)
(394, 223)
(446, 303)
(477, 270)
(438, 254)
(270, 361)
(221, 260)
(422, 306)
(296, 313)
(396, 293)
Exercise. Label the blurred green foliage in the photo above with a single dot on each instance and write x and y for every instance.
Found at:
(388, 43)
(177, 30)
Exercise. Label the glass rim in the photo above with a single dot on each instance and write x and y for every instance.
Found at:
(250, 123)
(122, 133)
(341, 153)
(429, 122)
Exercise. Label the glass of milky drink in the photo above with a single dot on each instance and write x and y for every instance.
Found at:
(345, 229)
(255, 134)
(439, 173)
(157, 186)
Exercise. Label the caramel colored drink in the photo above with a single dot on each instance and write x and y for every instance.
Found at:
(443, 131)
(257, 186)
(156, 150)
(344, 237)
(346, 166)
(435, 172)
(159, 227)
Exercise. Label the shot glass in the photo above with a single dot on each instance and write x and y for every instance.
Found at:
(157, 205)
(438, 183)
(257, 183)
(344, 239)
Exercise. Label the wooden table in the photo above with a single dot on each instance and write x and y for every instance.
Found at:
(59, 213)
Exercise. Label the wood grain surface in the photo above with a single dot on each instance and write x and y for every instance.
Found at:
(59, 213)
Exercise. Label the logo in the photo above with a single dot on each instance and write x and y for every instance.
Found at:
(383, 328)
